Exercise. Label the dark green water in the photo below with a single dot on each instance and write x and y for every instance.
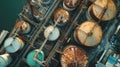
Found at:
(9, 10)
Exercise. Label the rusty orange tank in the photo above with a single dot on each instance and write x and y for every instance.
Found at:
(70, 4)
(61, 16)
(24, 26)
(74, 57)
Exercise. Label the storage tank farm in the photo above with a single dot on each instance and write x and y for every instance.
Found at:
(63, 33)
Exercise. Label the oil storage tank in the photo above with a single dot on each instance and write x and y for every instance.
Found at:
(107, 8)
(13, 44)
(5, 59)
(70, 4)
(61, 16)
(74, 56)
(89, 33)
(30, 58)
(24, 26)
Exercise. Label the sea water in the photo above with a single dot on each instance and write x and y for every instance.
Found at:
(9, 10)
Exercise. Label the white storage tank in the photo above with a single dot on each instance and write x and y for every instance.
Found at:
(52, 33)
(5, 59)
(13, 44)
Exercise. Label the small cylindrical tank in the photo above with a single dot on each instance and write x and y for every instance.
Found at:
(3, 34)
(52, 33)
(88, 33)
(70, 4)
(24, 26)
(35, 13)
(61, 16)
(30, 58)
(5, 59)
(45, 1)
(96, 10)
(13, 44)
(74, 56)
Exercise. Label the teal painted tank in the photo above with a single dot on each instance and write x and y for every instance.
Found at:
(30, 58)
